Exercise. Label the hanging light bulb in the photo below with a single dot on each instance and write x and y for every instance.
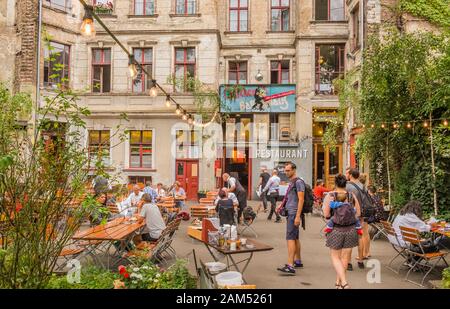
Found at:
(168, 101)
(372, 126)
(132, 67)
(190, 120)
(363, 125)
(87, 27)
(382, 125)
(425, 124)
(154, 89)
(445, 123)
(184, 117)
(408, 125)
(178, 110)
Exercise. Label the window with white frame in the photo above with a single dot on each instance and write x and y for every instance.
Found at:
(64, 5)
(99, 146)
(185, 7)
(330, 10)
(185, 64)
(280, 10)
(237, 72)
(141, 149)
(144, 7)
(238, 16)
(279, 72)
(56, 65)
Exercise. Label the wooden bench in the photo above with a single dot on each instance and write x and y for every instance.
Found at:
(201, 211)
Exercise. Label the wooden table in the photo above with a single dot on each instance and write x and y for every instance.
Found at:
(441, 231)
(258, 247)
(120, 229)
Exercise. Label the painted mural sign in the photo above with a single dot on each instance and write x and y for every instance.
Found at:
(257, 98)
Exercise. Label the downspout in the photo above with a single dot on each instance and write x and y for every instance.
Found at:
(38, 74)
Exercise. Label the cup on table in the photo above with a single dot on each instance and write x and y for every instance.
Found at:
(243, 241)
(233, 246)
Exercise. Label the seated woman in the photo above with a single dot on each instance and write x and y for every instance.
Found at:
(153, 219)
(411, 216)
(225, 208)
(179, 194)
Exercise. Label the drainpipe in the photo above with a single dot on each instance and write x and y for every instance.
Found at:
(38, 73)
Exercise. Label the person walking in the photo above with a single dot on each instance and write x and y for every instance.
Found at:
(234, 186)
(272, 188)
(263, 179)
(357, 188)
(293, 203)
(342, 238)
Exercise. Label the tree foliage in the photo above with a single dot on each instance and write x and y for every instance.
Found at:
(434, 11)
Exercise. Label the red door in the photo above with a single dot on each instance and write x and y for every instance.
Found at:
(187, 172)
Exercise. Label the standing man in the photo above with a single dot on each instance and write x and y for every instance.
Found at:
(293, 201)
(263, 179)
(273, 188)
(235, 187)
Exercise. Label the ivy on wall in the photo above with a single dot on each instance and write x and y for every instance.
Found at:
(434, 11)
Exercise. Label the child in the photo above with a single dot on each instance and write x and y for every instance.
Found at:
(338, 202)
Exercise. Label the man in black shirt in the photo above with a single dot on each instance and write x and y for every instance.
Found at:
(263, 179)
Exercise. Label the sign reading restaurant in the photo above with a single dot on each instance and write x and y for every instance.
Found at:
(281, 153)
(257, 98)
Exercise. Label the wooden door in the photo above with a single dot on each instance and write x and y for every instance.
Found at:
(187, 173)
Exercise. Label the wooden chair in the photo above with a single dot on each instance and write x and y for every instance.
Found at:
(206, 201)
(412, 236)
(212, 194)
(393, 240)
(201, 211)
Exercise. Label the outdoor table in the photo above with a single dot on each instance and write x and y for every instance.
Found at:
(441, 231)
(257, 247)
(120, 229)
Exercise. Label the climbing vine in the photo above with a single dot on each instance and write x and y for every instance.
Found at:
(434, 11)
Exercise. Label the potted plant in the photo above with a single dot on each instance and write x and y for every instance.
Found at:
(201, 194)
(104, 8)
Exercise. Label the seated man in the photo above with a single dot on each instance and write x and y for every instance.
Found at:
(153, 219)
(230, 195)
(128, 206)
(160, 191)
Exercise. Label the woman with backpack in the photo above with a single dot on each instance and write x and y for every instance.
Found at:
(343, 237)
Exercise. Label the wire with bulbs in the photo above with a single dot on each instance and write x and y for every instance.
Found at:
(88, 30)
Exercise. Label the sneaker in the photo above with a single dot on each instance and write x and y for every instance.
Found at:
(361, 265)
(269, 219)
(298, 264)
(287, 269)
(278, 220)
(349, 267)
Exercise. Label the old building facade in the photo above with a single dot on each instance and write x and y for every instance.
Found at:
(271, 61)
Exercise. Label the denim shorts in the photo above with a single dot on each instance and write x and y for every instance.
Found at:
(292, 231)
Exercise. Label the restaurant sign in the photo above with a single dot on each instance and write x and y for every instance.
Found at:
(257, 98)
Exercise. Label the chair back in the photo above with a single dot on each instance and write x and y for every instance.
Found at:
(201, 212)
(388, 228)
(207, 201)
(410, 235)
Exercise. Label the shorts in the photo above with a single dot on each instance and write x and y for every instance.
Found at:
(292, 231)
(342, 238)
(147, 237)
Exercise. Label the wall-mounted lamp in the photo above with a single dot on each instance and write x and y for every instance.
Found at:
(259, 77)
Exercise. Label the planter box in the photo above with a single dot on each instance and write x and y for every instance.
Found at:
(201, 195)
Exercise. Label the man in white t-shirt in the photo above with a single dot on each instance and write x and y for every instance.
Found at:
(231, 196)
(129, 205)
(153, 219)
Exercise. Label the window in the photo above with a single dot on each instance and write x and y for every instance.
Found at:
(64, 5)
(185, 7)
(144, 56)
(331, 10)
(184, 66)
(99, 146)
(139, 179)
(329, 66)
(103, 6)
(355, 28)
(101, 70)
(238, 15)
(280, 15)
(141, 149)
(237, 72)
(274, 127)
(144, 7)
(279, 72)
(187, 144)
(56, 65)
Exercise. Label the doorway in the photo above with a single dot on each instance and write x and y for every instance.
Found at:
(187, 172)
(327, 163)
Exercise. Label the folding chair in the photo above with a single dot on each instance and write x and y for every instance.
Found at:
(393, 240)
(247, 225)
(412, 236)
(68, 253)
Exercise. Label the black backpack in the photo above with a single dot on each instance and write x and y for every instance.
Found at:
(368, 208)
(345, 214)
(308, 198)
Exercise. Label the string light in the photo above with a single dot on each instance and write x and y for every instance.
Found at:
(154, 89)
(425, 124)
(132, 67)
(87, 26)
(445, 123)
(190, 120)
(168, 104)
(372, 126)
(382, 125)
(184, 117)
(408, 125)
(178, 110)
